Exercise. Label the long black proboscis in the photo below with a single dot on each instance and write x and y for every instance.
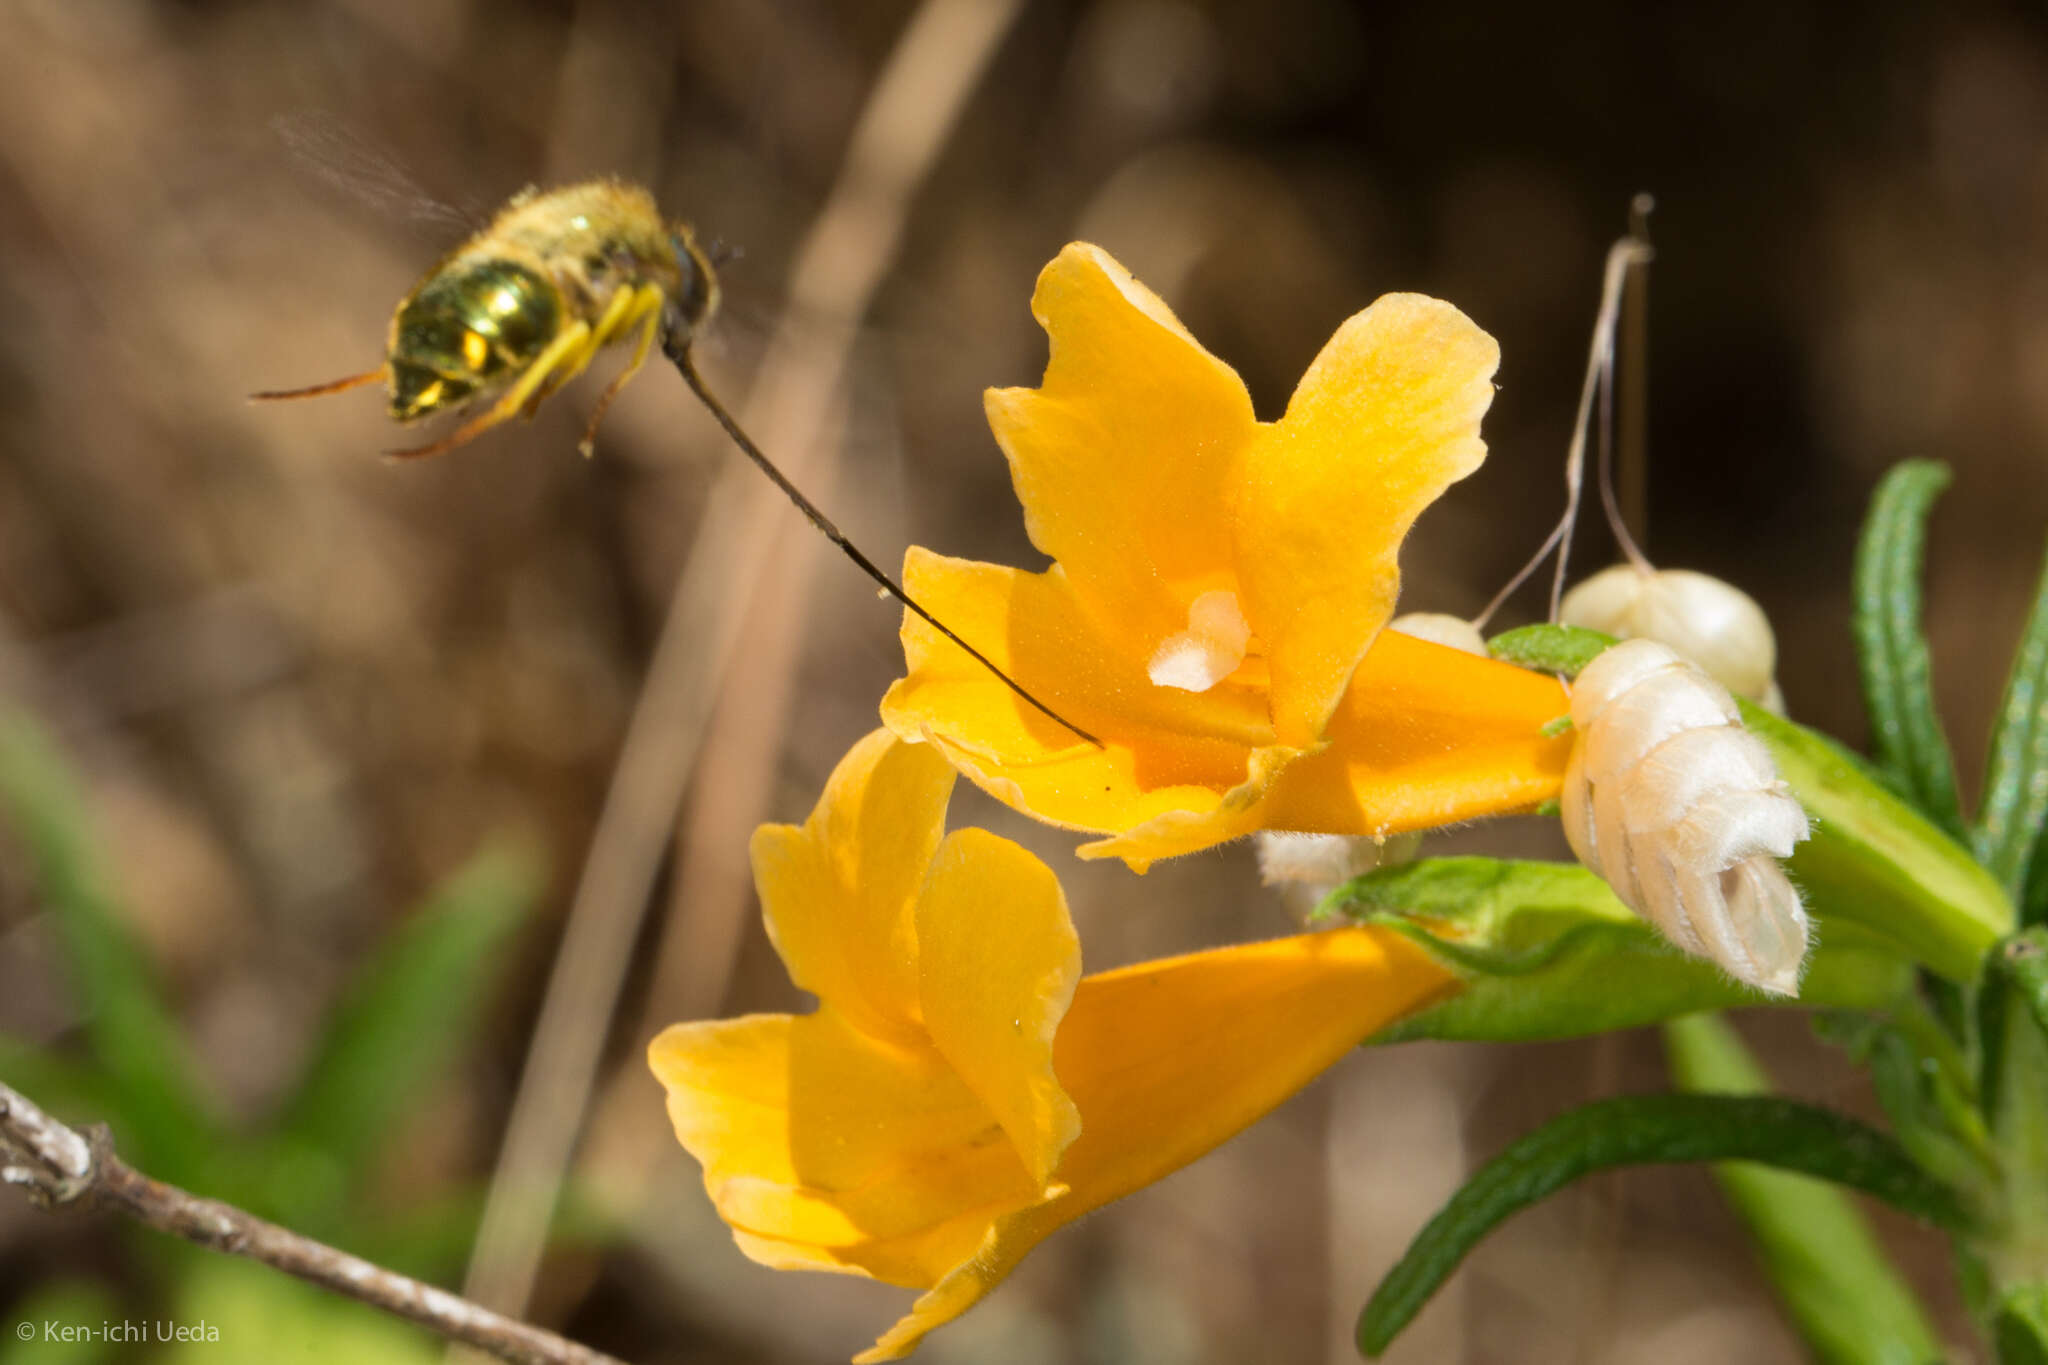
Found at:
(679, 353)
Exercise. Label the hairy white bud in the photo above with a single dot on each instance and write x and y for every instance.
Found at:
(1438, 628)
(1307, 867)
(1681, 810)
(1716, 625)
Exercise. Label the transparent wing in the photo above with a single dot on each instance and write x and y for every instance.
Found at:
(345, 161)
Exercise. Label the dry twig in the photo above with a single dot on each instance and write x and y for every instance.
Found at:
(844, 258)
(60, 1167)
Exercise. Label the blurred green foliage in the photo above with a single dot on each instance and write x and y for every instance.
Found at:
(408, 1015)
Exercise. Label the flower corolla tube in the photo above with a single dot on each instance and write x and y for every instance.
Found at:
(962, 1090)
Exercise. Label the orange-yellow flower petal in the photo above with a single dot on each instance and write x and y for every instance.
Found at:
(997, 962)
(1168, 1059)
(827, 1148)
(1424, 736)
(838, 892)
(1218, 583)
(1385, 419)
(935, 1156)
(1120, 457)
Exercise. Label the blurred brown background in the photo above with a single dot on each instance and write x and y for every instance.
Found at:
(307, 682)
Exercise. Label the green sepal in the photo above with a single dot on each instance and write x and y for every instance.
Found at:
(1545, 950)
(1891, 648)
(1549, 649)
(1813, 1243)
(1874, 860)
(1649, 1129)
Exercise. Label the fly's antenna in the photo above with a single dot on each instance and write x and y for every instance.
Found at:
(676, 346)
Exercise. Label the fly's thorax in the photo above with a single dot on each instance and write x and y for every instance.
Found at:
(469, 328)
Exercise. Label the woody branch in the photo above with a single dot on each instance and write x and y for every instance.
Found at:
(59, 1167)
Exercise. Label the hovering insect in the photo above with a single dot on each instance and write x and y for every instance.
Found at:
(523, 306)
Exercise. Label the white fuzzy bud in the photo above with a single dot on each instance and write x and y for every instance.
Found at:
(1441, 629)
(1714, 624)
(1307, 867)
(1681, 810)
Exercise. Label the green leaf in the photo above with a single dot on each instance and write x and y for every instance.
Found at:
(1545, 950)
(67, 1088)
(2013, 1057)
(2022, 962)
(240, 1312)
(2015, 803)
(76, 1304)
(1638, 1130)
(1815, 1245)
(1549, 649)
(129, 1028)
(2019, 1329)
(1927, 1090)
(409, 1014)
(1892, 650)
(1873, 860)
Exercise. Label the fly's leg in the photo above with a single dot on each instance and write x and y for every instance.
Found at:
(571, 347)
(616, 317)
(648, 301)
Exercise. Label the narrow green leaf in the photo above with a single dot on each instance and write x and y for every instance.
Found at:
(409, 1013)
(1892, 650)
(69, 1088)
(2023, 961)
(1549, 649)
(2012, 1041)
(1545, 950)
(78, 1305)
(2019, 1329)
(130, 1029)
(261, 1316)
(1648, 1129)
(2033, 904)
(2015, 803)
(1873, 859)
(1927, 1089)
(1815, 1245)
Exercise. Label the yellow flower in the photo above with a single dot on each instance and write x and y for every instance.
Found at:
(960, 1091)
(1215, 610)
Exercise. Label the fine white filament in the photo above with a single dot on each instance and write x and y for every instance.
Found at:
(1209, 650)
(1681, 810)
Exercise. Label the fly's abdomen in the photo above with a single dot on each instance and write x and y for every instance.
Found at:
(469, 329)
